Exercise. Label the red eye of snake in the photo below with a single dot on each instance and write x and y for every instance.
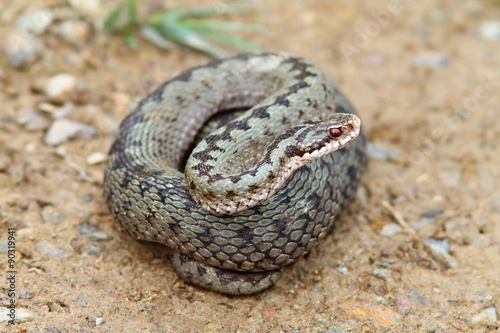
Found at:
(335, 132)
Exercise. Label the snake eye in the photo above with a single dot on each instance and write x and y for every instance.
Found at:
(335, 132)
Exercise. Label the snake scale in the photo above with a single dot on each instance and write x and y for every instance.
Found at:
(255, 194)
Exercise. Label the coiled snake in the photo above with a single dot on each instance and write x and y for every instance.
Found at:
(258, 192)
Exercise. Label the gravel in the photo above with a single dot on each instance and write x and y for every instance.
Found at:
(92, 231)
(35, 22)
(22, 315)
(486, 318)
(380, 152)
(21, 51)
(60, 86)
(32, 120)
(489, 30)
(440, 251)
(47, 248)
(62, 130)
(433, 60)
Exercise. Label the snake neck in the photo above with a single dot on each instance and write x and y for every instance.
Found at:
(220, 186)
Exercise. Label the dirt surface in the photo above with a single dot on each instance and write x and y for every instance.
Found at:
(426, 83)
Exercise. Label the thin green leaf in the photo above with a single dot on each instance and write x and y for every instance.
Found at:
(191, 39)
(229, 40)
(179, 14)
(111, 22)
(132, 12)
(221, 25)
(153, 36)
(130, 40)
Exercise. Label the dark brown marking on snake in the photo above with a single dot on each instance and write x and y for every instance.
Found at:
(241, 125)
(302, 68)
(283, 101)
(216, 177)
(271, 177)
(261, 112)
(230, 195)
(203, 169)
(235, 179)
(203, 155)
(245, 231)
(201, 270)
(291, 151)
(210, 195)
(180, 100)
(253, 189)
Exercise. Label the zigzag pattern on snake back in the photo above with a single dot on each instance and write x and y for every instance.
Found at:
(259, 191)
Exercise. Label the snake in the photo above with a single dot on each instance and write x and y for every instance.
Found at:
(259, 190)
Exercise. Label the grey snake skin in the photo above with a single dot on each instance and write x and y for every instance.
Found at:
(254, 195)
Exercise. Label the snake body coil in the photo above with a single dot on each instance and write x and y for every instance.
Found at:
(257, 192)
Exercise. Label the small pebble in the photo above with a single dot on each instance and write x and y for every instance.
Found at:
(432, 213)
(60, 86)
(96, 158)
(381, 273)
(35, 22)
(486, 318)
(50, 249)
(403, 305)
(452, 177)
(343, 270)
(421, 223)
(63, 111)
(380, 152)
(95, 249)
(21, 51)
(82, 301)
(87, 7)
(22, 315)
(434, 60)
(74, 32)
(99, 321)
(50, 215)
(62, 130)
(415, 296)
(4, 246)
(490, 30)
(92, 231)
(32, 120)
(25, 294)
(440, 251)
(390, 229)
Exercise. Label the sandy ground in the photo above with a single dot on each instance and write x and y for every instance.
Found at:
(427, 87)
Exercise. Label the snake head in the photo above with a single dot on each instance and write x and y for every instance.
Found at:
(319, 138)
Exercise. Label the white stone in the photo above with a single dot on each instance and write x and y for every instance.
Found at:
(74, 32)
(62, 130)
(96, 158)
(86, 7)
(490, 30)
(21, 50)
(486, 318)
(35, 22)
(60, 85)
(21, 314)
